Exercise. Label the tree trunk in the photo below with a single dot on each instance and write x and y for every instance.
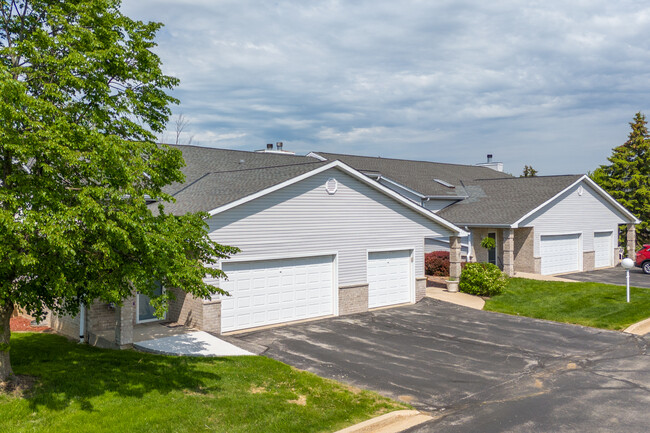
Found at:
(5, 334)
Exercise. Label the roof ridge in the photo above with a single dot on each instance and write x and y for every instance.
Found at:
(401, 159)
(233, 150)
(531, 177)
(264, 168)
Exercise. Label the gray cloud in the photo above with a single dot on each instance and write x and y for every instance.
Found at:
(542, 83)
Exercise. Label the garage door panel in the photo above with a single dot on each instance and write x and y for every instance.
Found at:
(389, 278)
(603, 250)
(560, 253)
(275, 291)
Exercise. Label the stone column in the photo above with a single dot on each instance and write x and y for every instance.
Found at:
(454, 257)
(631, 241)
(124, 325)
(508, 238)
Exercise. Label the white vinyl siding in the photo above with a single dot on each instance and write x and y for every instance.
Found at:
(389, 278)
(275, 291)
(572, 213)
(303, 218)
(603, 250)
(560, 253)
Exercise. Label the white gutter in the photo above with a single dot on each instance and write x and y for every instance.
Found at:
(82, 324)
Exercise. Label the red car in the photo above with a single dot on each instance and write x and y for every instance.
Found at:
(643, 259)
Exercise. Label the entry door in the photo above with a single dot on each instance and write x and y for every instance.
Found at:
(492, 252)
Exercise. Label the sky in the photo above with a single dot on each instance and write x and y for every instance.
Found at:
(552, 84)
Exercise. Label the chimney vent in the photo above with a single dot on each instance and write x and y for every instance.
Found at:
(279, 145)
(489, 157)
(269, 146)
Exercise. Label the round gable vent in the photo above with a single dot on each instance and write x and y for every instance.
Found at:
(331, 186)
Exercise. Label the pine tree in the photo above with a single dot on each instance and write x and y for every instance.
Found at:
(627, 177)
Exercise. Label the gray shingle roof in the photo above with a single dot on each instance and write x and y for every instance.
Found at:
(419, 175)
(215, 177)
(504, 201)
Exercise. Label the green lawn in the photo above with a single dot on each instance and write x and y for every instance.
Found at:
(589, 304)
(81, 389)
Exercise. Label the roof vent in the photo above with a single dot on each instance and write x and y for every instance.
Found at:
(279, 145)
(269, 146)
(442, 182)
(489, 158)
(331, 186)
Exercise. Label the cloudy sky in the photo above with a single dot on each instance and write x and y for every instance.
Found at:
(552, 84)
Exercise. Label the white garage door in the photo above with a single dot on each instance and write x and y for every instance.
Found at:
(276, 291)
(603, 250)
(389, 278)
(560, 253)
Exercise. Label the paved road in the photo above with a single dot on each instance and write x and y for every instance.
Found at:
(477, 371)
(613, 276)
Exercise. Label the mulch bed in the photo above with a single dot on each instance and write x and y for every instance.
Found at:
(23, 324)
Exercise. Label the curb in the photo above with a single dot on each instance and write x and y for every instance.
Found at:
(640, 328)
(392, 422)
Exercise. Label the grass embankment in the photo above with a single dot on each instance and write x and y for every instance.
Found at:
(79, 388)
(589, 304)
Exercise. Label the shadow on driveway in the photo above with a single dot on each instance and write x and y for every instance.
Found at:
(463, 365)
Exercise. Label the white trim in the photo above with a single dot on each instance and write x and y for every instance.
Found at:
(355, 174)
(592, 184)
(316, 156)
(278, 256)
(389, 249)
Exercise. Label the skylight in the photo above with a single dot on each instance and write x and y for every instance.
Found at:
(442, 182)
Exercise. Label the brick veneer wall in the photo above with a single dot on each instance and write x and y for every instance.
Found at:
(588, 260)
(186, 309)
(353, 299)
(101, 317)
(420, 288)
(524, 249)
(65, 325)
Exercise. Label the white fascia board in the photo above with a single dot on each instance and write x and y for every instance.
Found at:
(316, 156)
(611, 199)
(595, 186)
(355, 174)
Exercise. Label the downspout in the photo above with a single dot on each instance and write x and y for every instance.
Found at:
(469, 244)
(82, 324)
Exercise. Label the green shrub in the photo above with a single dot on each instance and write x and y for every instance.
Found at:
(482, 279)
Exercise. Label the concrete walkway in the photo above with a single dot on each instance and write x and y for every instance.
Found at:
(457, 298)
(542, 277)
(640, 328)
(198, 343)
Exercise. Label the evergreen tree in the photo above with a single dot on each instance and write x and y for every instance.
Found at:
(529, 171)
(627, 177)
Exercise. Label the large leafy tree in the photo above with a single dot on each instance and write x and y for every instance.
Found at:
(627, 177)
(82, 97)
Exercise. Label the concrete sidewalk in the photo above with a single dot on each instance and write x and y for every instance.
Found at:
(196, 343)
(457, 298)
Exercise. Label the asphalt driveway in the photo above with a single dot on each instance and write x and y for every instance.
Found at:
(614, 276)
(477, 371)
